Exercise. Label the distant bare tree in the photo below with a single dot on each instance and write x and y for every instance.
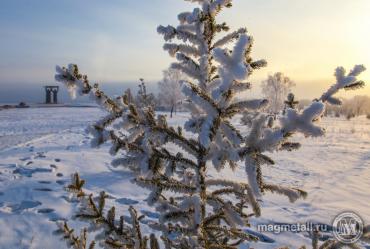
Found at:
(276, 89)
(170, 94)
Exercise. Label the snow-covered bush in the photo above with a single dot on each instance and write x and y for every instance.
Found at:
(197, 210)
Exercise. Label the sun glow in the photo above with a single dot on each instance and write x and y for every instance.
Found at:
(307, 40)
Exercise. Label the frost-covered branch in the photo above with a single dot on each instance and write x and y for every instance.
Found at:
(124, 232)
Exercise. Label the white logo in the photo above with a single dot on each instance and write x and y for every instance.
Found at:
(348, 227)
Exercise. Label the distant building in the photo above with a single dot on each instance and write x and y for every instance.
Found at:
(22, 105)
(51, 96)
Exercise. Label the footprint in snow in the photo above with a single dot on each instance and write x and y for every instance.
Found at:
(53, 166)
(17, 208)
(61, 182)
(127, 201)
(25, 158)
(45, 210)
(150, 214)
(96, 198)
(45, 182)
(83, 142)
(145, 221)
(40, 155)
(305, 205)
(12, 165)
(43, 189)
(55, 218)
(29, 172)
(295, 171)
(50, 213)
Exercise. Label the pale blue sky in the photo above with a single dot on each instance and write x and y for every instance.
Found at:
(116, 40)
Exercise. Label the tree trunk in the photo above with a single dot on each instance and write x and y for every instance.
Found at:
(171, 110)
(203, 200)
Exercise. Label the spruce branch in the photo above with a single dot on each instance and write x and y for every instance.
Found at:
(75, 241)
(116, 236)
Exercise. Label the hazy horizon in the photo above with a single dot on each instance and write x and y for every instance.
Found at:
(34, 92)
(117, 41)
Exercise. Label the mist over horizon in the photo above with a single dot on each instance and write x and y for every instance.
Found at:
(33, 93)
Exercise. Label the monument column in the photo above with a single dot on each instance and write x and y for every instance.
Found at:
(48, 95)
(51, 96)
(55, 96)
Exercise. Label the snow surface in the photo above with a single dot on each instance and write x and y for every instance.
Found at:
(41, 147)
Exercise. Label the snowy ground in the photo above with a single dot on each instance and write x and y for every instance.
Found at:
(41, 147)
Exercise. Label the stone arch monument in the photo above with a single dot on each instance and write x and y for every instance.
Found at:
(51, 96)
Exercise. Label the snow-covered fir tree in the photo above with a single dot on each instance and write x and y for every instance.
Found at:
(196, 210)
(276, 89)
(170, 94)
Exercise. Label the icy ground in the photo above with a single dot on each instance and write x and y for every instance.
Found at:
(41, 147)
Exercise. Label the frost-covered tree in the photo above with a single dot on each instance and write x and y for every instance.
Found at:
(143, 98)
(275, 89)
(170, 94)
(198, 210)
